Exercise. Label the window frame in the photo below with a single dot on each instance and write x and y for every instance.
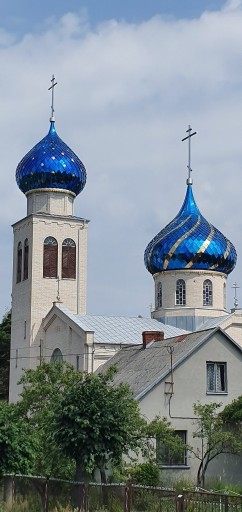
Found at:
(50, 271)
(19, 262)
(165, 459)
(68, 259)
(213, 390)
(26, 260)
(56, 356)
(180, 292)
(159, 295)
(207, 292)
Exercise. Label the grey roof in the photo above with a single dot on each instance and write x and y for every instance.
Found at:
(215, 322)
(142, 368)
(119, 329)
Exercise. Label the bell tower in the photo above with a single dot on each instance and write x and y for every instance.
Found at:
(50, 246)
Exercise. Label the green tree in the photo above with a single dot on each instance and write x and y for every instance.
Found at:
(232, 413)
(96, 423)
(82, 420)
(167, 443)
(5, 336)
(42, 389)
(215, 437)
(16, 441)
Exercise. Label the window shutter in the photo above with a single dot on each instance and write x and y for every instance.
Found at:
(68, 259)
(19, 263)
(26, 259)
(50, 262)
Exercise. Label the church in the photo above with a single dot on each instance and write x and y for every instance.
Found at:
(189, 260)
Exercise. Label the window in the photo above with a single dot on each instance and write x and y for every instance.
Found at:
(216, 377)
(19, 262)
(68, 259)
(50, 260)
(26, 259)
(224, 296)
(159, 295)
(207, 293)
(180, 293)
(25, 329)
(56, 356)
(166, 456)
(77, 363)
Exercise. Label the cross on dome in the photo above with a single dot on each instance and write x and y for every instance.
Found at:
(235, 287)
(51, 88)
(188, 137)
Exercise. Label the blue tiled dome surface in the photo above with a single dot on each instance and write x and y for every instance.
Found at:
(51, 164)
(189, 241)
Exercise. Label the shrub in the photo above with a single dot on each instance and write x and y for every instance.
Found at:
(146, 473)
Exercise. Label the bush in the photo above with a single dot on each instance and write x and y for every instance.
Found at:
(147, 473)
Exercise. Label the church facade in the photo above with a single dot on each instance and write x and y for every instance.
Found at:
(189, 260)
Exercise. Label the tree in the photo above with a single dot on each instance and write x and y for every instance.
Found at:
(215, 437)
(42, 389)
(16, 441)
(5, 336)
(232, 413)
(96, 423)
(167, 442)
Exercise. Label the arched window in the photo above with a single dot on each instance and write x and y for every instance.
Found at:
(68, 259)
(19, 262)
(159, 295)
(207, 293)
(50, 260)
(57, 356)
(26, 259)
(180, 292)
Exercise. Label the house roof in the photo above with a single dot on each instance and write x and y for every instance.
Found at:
(143, 368)
(117, 329)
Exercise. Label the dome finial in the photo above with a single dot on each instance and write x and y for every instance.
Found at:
(51, 88)
(189, 179)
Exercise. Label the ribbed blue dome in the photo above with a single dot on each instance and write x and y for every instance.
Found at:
(190, 242)
(51, 164)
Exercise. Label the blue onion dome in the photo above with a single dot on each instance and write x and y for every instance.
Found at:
(190, 242)
(51, 164)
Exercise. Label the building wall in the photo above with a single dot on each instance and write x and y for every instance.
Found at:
(59, 334)
(193, 314)
(52, 201)
(33, 298)
(77, 346)
(190, 387)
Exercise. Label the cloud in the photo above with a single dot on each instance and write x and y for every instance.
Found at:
(126, 93)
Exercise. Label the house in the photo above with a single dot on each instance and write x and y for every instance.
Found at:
(167, 377)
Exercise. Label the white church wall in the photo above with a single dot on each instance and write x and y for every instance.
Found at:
(103, 353)
(194, 280)
(60, 334)
(54, 202)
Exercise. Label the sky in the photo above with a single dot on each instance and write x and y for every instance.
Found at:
(132, 76)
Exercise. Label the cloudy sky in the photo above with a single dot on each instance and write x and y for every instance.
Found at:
(131, 76)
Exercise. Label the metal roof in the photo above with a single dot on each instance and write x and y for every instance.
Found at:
(214, 322)
(118, 329)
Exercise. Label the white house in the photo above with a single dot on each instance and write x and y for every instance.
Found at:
(167, 377)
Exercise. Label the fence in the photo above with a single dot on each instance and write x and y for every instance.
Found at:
(38, 494)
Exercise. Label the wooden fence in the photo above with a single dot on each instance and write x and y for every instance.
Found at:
(38, 494)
